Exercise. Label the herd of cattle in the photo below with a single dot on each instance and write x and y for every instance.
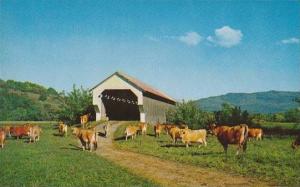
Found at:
(226, 135)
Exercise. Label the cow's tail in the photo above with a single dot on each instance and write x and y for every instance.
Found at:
(246, 131)
(96, 141)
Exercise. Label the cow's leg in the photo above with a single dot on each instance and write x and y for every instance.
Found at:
(187, 145)
(126, 137)
(225, 146)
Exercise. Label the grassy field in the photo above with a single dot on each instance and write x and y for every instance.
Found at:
(282, 125)
(57, 161)
(271, 159)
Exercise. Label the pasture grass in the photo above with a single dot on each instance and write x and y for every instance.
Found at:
(271, 159)
(57, 161)
(282, 125)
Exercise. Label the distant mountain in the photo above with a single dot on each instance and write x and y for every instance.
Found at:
(28, 101)
(259, 102)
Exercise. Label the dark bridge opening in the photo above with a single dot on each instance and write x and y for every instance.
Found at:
(120, 105)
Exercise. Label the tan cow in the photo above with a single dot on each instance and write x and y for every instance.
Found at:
(84, 119)
(62, 129)
(175, 133)
(296, 143)
(168, 127)
(231, 135)
(6, 129)
(87, 137)
(193, 136)
(34, 133)
(2, 137)
(131, 131)
(143, 128)
(255, 133)
(158, 129)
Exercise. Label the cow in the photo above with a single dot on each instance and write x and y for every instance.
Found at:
(6, 129)
(62, 129)
(175, 134)
(296, 143)
(255, 133)
(34, 133)
(87, 137)
(158, 129)
(20, 131)
(231, 135)
(131, 131)
(84, 119)
(143, 128)
(193, 136)
(106, 129)
(168, 127)
(2, 137)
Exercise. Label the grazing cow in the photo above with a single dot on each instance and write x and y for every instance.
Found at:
(106, 129)
(131, 131)
(87, 137)
(175, 133)
(296, 143)
(2, 137)
(143, 128)
(84, 119)
(193, 136)
(255, 133)
(62, 129)
(20, 131)
(231, 135)
(157, 129)
(34, 133)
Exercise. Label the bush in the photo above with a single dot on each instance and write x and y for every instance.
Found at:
(189, 113)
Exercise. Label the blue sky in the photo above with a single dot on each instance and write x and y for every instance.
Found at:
(188, 49)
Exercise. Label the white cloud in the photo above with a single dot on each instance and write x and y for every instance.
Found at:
(226, 37)
(290, 41)
(191, 38)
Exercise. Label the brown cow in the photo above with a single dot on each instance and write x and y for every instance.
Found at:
(296, 143)
(158, 129)
(20, 131)
(131, 131)
(193, 136)
(231, 135)
(255, 133)
(2, 137)
(87, 137)
(84, 119)
(62, 129)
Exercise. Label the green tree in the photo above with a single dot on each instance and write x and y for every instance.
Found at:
(190, 114)
(77, 103)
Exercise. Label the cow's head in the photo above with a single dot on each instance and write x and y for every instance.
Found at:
(75, 130)
(212, 129)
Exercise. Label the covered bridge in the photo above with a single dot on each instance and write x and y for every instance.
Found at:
(122, 97)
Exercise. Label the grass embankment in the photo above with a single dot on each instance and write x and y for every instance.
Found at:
(271, 159)
(57, 161)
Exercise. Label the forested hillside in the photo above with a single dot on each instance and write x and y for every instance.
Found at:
(28, 101)
(259, 102)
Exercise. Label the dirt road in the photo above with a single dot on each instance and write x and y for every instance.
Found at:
(168, 173)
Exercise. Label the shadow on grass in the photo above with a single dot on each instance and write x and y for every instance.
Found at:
(102, 134)
(153, 135)
(57, 134)
(211, 153)
(173, 145)
(120, 138)
(72, 147)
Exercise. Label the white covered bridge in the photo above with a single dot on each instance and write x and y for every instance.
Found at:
(122, 97)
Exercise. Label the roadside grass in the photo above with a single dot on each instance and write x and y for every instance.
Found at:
(57, 161)
(271, 159)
